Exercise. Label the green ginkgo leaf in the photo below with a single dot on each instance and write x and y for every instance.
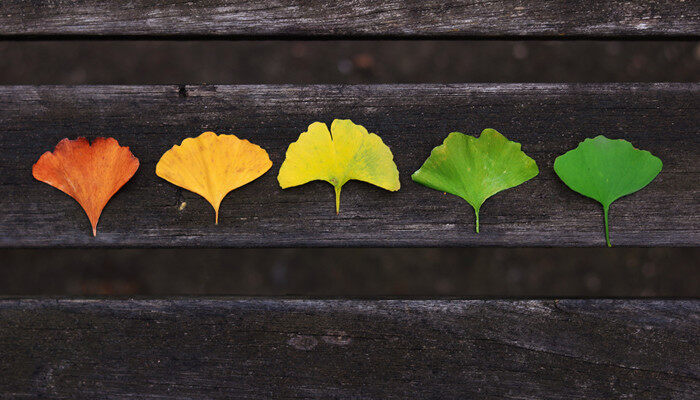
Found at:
(476, 169)
(605, 170)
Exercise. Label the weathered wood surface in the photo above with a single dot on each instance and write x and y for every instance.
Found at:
(315, 349)
(547, 119)
(464, 271)
(352, 18)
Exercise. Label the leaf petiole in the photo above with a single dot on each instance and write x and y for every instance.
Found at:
(337, 199)
(476, 212)
(607, 230)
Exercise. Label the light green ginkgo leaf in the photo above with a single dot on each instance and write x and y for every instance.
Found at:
(476, 169)
(605, 170)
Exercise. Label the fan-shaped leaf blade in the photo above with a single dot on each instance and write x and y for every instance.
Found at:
(345, 152)
(605, 170)
(476, 169)
(212, 165)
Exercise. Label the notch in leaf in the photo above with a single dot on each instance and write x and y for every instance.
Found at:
(89, 173)
(476, 169)
(212, 165)
(345, 152)
(605, 170)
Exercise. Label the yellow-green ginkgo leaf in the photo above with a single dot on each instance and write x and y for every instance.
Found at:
(476, 168)
(212, 165)
(345, 152)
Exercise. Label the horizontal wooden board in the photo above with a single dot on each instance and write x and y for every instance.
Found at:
(467, 271)
(351, 18)
(548, 119)
(317, 349)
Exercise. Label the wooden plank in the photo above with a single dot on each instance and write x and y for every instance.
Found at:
(354, 272)
(418, 349)
(547, 119)
(352, 18)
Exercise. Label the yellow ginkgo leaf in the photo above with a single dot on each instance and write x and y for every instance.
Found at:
(347, 152)
(212, 165)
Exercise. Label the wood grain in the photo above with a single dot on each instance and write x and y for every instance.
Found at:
(548, 119)
(317, 349)
(352, 18)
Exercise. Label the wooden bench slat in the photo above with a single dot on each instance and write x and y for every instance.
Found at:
(286, 348)
(352, 18)
(548, 119)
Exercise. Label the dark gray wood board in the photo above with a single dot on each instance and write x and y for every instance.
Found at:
(548, 119)
(351, 18)
(381, 349)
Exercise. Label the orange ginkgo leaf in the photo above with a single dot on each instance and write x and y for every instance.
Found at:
(91, 174)
(212, 165)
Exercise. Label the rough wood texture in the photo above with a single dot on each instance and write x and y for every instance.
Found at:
(412, 119)
(352, 18)
(258, 348)
(547, 119)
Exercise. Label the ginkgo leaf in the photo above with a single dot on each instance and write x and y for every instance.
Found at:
(345, 152)
(476, 169)
(91, 174)
(212, 165)
(605, 170)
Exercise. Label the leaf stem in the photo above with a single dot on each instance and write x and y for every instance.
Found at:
(607, 230)
(337, 199)
(476, 212)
